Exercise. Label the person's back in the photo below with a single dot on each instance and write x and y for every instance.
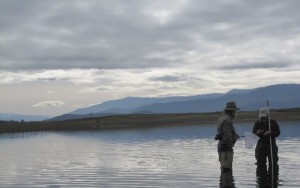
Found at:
(227, 131)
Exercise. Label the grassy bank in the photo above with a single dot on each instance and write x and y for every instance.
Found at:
(141, 120)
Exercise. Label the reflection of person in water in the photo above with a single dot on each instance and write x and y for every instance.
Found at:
(264, 177)
(226, 179)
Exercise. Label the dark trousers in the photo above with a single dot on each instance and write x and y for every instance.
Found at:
(262, 153)
(265, 178)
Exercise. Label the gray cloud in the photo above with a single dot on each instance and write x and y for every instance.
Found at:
(133, 34)
(49, 104)
(255, 65)
(168, 78)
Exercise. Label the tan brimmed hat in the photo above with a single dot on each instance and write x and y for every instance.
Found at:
(231, 106)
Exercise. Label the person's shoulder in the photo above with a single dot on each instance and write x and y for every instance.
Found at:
(257, 122)
(273, 121)
(221, 118)
(227, 121)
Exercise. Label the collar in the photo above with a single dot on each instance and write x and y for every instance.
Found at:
(231, 116)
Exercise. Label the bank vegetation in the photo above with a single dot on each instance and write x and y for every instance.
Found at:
(141, 120)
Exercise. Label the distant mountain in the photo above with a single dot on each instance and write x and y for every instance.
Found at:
(239, 91)
(280, 96)
(21, 117)
(129, 104)
(77, 116)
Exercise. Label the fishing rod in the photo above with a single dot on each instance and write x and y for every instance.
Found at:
(271, 148)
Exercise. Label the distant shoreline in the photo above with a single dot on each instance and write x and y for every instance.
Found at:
(141, 120)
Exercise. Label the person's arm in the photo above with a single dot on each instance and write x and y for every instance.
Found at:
(256, 129)
(275, 130)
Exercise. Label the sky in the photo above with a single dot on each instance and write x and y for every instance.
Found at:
(60, 55)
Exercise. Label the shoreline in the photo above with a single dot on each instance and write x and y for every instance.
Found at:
(141, 121)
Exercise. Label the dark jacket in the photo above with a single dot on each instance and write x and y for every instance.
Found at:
(227, 132)
(264, 125)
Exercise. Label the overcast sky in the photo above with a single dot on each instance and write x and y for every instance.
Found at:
(60, 55)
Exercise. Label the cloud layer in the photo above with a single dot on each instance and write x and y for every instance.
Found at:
(80, 52)
(119, 34)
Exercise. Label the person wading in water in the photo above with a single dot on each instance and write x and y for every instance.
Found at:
(226, 136)
(267, 129)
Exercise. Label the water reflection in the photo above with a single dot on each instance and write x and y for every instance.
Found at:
(265, 178)
(227, 179)
(17, 135)
(182, 156)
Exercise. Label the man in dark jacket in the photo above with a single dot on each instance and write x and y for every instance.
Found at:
(226, 136)
(261, 129)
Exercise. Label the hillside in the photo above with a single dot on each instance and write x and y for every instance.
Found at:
(279, 96)
(21, 117)
(129, 104)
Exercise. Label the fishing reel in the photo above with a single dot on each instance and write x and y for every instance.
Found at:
(218, 137)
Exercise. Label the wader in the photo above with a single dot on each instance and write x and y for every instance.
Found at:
(228, 138)
(225, 158)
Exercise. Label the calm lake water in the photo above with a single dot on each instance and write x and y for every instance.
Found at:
(177, 156)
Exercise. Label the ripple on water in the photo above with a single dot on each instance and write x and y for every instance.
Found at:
(108, 159)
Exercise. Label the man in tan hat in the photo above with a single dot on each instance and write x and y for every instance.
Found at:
(226, 136)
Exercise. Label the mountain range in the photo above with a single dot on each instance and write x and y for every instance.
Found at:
(21, 117)
(279, 96)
